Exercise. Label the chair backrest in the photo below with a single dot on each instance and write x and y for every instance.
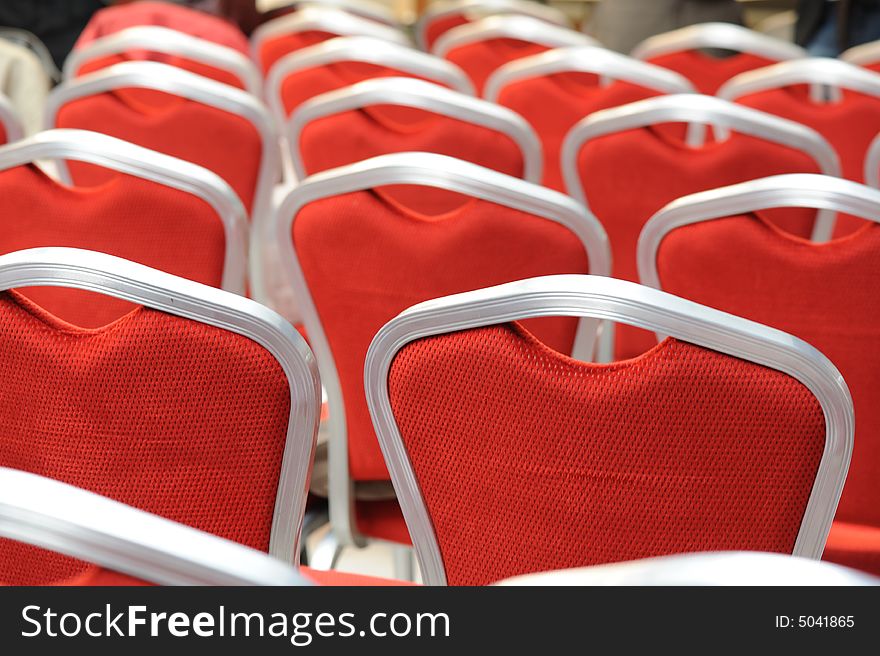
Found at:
(356, 255)
(731, 568)
(309, 26)
(728, 436)
(481, 47)
(716, 248)
(555, 89)
(375, 10)
(684, 51)
(152, 211)
(866, 55)
(345, 60)
(45, 523)
(168, 46)
(443, 15)
(23, 89)
(387, 115)
(162, 14)
(625, 168)
(201, 406)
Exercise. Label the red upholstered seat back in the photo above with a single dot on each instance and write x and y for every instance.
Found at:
(554, 103)
(826, 294)
(3, 135)
(628, 176)
(225, 143)
(126, 216)
(190, 65)
(366, 258)
(482, 58)
(533, 461)
(359, 134)
(708, 73)
(302, 85)
(165, 414)
(274, 48)
(163, 14)
(440, 26)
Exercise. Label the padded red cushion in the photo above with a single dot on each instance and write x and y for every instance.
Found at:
(222, 142)
(826, 294)
(366, 257)
(273, 49)
(171, 416)
(706, 72)
(554, 103)
(190, 65)
(628, 176)
(481, 58)
(126, 216)
(532, 461)
(383, 520)
(359, 134)
(3, 135)
(163, 14)
(439, 26)
(854, 545)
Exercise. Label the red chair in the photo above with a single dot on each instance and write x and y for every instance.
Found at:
(11, 128)
(312, 25)
(442, 15)
(175, 112)
(201, 406)
(386, 115)
(727, 436)
(343, 61)
(152, 211)
(718, 248)
(357, 251)
(166, 46)
(624, 164)
(481, 47)
(557, 88)
(684, 51)
(376, 11)
(866, 55)
(120, 545)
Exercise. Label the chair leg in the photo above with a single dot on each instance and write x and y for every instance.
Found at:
(313, 520)
(404, 563)
(326, 554)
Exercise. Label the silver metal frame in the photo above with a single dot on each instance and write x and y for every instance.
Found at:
(10, 121)
(512, 26)
(113, 276)
(866, 54)
(619, 301)
(443, 8)
(153, 38)
(323, 19)
(376, 11)
(819, 72)
(431, 170)
(418, 94)
(367, 50)
(718, 35)
(732, 568)
(130, 159)
(162, 77)
(607, 64)
(791, 190)
(68, 520)
(872, 164)
(700, 110)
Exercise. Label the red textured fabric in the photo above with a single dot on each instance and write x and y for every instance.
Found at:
(271, 50)
(366, 258)
(168, 415)
(706, 72)
(849, 126)
(126, 216)
(190, 65)
(345, 579)
(628, 176)
(225, 143)
(481, 58)
(552, 104)
(359, 134)
(440, 26)
(163, 14)
(302, 85)
(383, 520)
(823, 293)
(3, 135)
(530, 461)
(854, 545)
